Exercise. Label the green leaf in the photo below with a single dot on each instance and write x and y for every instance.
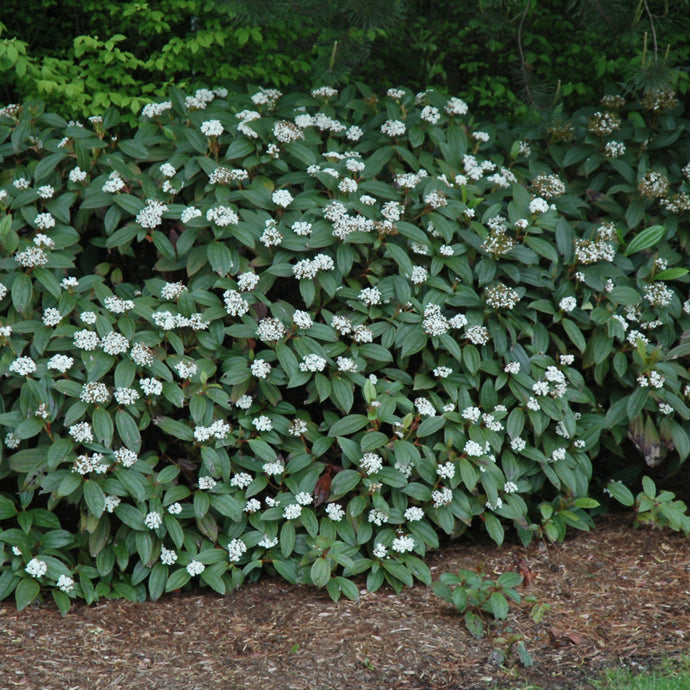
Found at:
(494, 528)
(647, 238)
(348, 425)
(498, 605)
(103, 427)
(158, 579)
(344, 482)
(27, 591)
(127, 430)
(320, 572)
(94, 497)
(372, 440)
(287, 538)
(175, 428)
(474, 625)
(575, 334)
(22, 290)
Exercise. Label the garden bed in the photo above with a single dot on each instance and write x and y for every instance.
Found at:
(616, 596)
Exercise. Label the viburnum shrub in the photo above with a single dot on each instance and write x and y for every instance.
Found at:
(307, 334)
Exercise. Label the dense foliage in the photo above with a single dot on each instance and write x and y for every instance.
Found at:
(308, 334)
(504, 58)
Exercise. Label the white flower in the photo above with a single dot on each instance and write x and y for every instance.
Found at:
(86, 340)
(206, 482)
(270, 330)
(413, 514)
(241, 480)
(510, 487)
(65, 584)
(419, 275)
(77, 175)
(473, 449)
(195, 568)
(371, 463)
(479, 335)
(370, 296)
(442, 497)
(186, 370)
(126, 396)
(538, 205)
(117, 305)
(36, 568)
(292, 511)
(126, 457)
(302, 319)
(271, 236)
(403, 544)
(430, 114)
(153, 520)
(94, 392)
(424, 407)
(174, 508)
(189, 213)
(446, 471)
(393, 128)
(347, 364)
(456, 106)
(236, 549)
(23, 366)
(31, 256)
(114, 344)
(44, 221)
(114, 183)
(112, 502)
(380, 551)
(312, 362)
(282, 197)
(512, 368)
(335, 512)
(443, 372)
(472, 414)
(377, 517)
(168, 556)
(61, 363)
(212, 128)
(262, 423)
(533, 404)
(252, 506)
(151, 386)
(244, 402)
(260, 368)
(567, 304)
(222, 216)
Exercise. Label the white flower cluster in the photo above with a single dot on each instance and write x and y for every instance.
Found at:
(23, 366)
(31, 257)
(500, 296)
(307, 269)
(186, 370)
(312, 362)
(151, 386)
(270, 330)
(126, 457)
(117, 305)
(371, 463)
(218, 430)
(84, 464)
(260, 368)
(114, 183)
(393, 128)
(222, 216)
(653, 379)
(235, 304)
(94, 392)
(151, 216)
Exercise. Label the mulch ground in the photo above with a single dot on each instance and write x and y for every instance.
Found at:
(615, 596)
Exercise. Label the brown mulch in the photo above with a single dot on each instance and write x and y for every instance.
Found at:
(616, 596)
